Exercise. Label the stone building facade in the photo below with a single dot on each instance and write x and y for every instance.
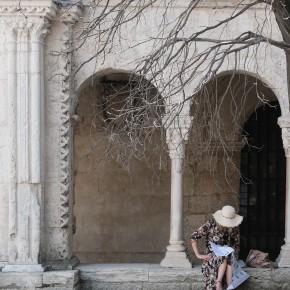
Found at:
(58, 206)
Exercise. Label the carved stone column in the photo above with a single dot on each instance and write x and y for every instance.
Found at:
(284, 257)
(26, 27)
(68, 16)
(177, 136)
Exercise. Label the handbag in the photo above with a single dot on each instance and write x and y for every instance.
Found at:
(259, 259)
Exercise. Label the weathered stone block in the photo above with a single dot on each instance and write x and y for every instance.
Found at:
(167, 286)
(66, 279)
(116, 276)
(164, 275)
(116, 286)
(21, 280)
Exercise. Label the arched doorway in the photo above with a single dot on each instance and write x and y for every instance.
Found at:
(122, 203)
(262, 186)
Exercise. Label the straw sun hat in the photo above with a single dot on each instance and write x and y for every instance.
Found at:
(227, 217)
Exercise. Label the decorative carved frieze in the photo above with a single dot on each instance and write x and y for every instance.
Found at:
(27, 9)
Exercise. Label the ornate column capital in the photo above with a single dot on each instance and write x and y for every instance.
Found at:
(30, 20)
(284, 123)
(177, 135)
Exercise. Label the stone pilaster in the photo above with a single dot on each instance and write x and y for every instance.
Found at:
(68, 15)
(26, 26)
(177, 136)
(284, 257)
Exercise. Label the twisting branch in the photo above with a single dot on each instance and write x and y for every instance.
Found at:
(174, 53)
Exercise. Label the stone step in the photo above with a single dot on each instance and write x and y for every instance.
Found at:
(154, 277)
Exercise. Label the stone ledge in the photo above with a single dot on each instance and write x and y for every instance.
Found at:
(136, 277)
(127, 277)
(61, 280)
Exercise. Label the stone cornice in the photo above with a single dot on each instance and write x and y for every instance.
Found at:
(26, 8)
(216, 4)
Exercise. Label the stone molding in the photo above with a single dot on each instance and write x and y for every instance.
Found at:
(27, 9)
(217, 4)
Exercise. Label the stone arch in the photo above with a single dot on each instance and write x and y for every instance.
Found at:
(212, 170)
(122, 213)
(86, 77)
(246, 92)
(279, 92)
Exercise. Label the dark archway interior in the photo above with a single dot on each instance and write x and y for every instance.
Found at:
(262, 188)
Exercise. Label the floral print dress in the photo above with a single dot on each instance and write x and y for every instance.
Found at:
(213, 232)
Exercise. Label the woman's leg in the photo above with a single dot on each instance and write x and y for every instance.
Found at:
(221, 272)
(229, 274)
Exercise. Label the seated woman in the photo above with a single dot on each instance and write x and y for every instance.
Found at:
(221, 229)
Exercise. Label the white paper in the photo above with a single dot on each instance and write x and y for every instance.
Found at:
(238, 279)
(221, 251)
(239, 275)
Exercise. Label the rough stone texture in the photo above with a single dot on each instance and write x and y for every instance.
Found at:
(124, 215)
(54, 280)
(66, 279)
(157, 278)
(136, 276)
(20, 280)
(119, 216)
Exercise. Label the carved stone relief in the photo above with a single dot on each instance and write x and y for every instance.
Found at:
(24, 36)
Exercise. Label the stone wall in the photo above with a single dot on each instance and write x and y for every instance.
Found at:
(121, 206)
